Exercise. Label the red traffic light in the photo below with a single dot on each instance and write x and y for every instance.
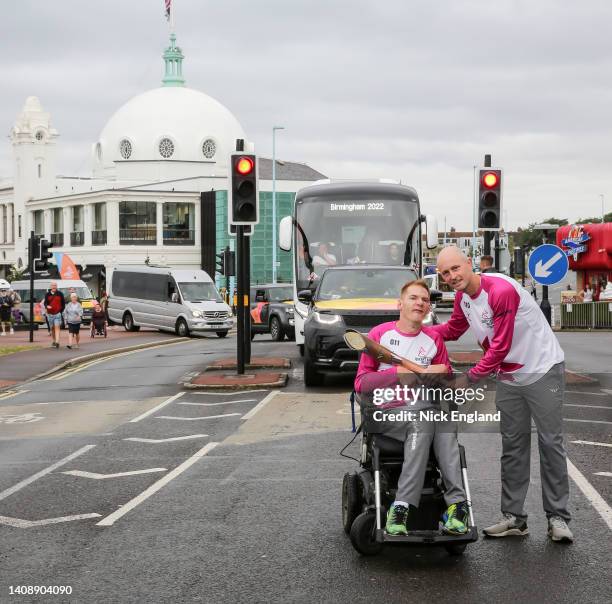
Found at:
(490, 179)
(244, 166)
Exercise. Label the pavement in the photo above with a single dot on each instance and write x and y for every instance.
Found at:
(40, 358)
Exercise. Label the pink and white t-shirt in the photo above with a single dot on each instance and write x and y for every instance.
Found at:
(519, 344)
(425, 348)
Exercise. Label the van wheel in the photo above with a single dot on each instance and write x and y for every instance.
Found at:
(181, 329)
(276, 331)
(301, 349)
(128, 323)
(221, 334)
(311, 376)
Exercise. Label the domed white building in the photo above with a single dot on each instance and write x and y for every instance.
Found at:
(158, 189)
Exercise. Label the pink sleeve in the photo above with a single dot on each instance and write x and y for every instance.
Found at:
(368, 376)
(456, 326)
(504, 302)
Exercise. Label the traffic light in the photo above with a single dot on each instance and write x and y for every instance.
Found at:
(489, 199)
(229, 263)
(220, 265)
(42, 254)
(243, 202)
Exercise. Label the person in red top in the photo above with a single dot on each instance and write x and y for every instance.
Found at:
(54, 305)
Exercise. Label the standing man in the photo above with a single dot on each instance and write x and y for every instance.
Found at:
(521, 349)
(486, 264)
(54, 305)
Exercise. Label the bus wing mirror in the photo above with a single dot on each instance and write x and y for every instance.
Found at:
(305, 296)
(435, 295)
(431, 227)
(284, 233)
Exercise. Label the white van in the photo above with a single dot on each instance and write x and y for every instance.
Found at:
(66, 286)
(167, 299)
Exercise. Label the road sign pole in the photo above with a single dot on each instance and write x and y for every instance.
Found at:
(545, 304)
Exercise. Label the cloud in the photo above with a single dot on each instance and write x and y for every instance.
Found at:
(415, 91)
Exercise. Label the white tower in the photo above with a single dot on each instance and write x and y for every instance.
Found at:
(33, 141)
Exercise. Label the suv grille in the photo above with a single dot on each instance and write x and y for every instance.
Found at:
(369, 319)
(215, 314)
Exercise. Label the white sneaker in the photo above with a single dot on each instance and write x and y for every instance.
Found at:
(2, 334)
(12, 331)
(507, 527)
(558, 530)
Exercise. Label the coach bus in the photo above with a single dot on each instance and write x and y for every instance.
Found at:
(338, 223)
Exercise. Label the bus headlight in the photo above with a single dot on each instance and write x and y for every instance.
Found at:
(326, 319)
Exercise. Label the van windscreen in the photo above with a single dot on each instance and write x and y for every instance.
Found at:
(199, 292)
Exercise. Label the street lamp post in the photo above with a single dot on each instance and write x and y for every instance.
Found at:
(602, 208)
(274, 129)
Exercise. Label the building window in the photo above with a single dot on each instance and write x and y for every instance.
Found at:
(166, 148)
(209, 148)
(39, 223)
(40, 135)
(137, 223)
(98, 234)
(77, 235)
(179, 224)
(19, 226)
(125, 148)
(57, 228)
(39, 170)
(99, 151)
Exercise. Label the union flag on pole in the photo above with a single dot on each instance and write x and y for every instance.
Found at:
(168, 4)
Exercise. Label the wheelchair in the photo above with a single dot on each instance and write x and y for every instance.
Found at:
(369, 491)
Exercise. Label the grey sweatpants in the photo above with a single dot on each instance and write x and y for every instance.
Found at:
(542, 401)
(417, 437)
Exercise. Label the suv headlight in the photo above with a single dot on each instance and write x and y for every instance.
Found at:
(289, 310)
(198, 314)
(326, 319)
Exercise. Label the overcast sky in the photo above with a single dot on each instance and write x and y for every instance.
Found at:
(412, 90)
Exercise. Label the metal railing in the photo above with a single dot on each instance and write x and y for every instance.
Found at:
(77, 238)
(587, 315)
(137, 236)
(179, 237)
(98, 238)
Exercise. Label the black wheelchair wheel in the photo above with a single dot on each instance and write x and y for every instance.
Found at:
(363, 534)
(351, 501)
(455, 549)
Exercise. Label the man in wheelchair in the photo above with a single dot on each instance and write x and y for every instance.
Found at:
(409, 339)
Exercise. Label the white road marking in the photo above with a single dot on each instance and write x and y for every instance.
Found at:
(581, 393)
(261, 404)
(62, 402)
(603, 474)
(130, 505)
(588, 406)
(95, 476)
(597, 501)
(165, 440)
(589, 442)
(191, 419)
(31, 479)
(160, 406)
(10, 393)
(226, 393)
(586, 421)
(21, 523)
(246, 400)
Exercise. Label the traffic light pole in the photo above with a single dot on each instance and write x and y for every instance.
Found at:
(240, 302)
(247, 306)
(31, 264)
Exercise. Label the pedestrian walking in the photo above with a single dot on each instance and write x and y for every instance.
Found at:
(73, 316)
(54, 305)
(6, 307)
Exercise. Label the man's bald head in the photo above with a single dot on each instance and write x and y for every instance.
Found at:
(455, 268)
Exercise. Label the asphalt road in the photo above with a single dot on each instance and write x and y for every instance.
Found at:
(245, 507)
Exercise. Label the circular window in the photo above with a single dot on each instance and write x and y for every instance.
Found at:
(209, 148)
(125, 148)
(39, 135)
(166, 148)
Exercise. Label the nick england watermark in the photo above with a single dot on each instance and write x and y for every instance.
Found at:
(410, 396)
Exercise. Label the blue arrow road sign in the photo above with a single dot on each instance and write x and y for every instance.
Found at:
(548, 264)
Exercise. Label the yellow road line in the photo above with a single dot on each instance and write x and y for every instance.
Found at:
(10, 393)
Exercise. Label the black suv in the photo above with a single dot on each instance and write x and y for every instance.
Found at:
(272, 311)
(356, 297)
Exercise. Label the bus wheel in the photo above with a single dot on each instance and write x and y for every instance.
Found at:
(128, 323)
(182, 331)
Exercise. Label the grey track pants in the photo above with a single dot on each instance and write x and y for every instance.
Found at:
(417, 437)
(542, 401)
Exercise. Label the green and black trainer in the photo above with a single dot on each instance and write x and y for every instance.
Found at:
(396, 520)
(455, 519)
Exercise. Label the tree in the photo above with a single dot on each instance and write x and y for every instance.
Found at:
(595, 219)
(531, 237)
